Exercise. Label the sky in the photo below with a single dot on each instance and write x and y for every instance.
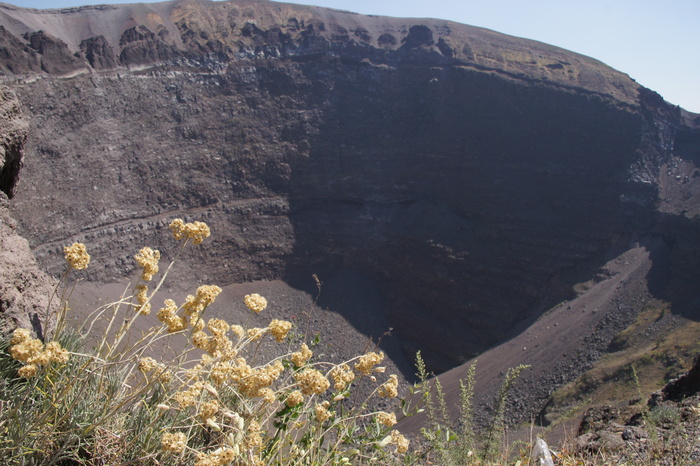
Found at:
(656, 42)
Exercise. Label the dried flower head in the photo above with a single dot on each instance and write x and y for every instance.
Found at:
(300, 357)
(267, 394)
(400, 441)
(196, 231)
(311, 381)
(56, 353)
(255, 302)
(342, 375)
(147, 364)
(208, 410)
(77, 256)
(142, 298)
(28, 371)
(147, 259)
(256, 333)
(174, 442)
(205, 295)
(253, 438)
(390, 388)
(168, 315)
(322, 413)
(294, 398)
(279, 329)
(187, 397)
(367, 361)
(26, 349)
(386, 419)
(20, 335)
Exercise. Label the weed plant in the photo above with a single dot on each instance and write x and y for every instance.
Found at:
(126, 397)
(459, 445)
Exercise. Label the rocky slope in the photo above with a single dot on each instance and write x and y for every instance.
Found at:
(25, 290)
(472, 177)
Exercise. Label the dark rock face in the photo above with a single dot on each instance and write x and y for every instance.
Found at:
(98, 53)
(55, 57)
(466, 172)
(13, 136)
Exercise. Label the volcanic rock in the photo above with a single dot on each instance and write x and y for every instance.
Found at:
(472, 176)
(25, 291)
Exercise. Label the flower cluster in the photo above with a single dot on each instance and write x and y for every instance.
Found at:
(187, 398)
(397, 439)
(294, 398)
(300, 357)
(144, 306)
(196, 231)
(322, 413)
(311, 381)
(192, 310)
(174, 442)
(390, 389)
(342, 376)
(386, 419)
(168, 315)
(220, 456)
(147, 259)
(76, 255)
(228, 375)
(160, 371)
(255, 302)
(205, 295)
(33, 353)
(279, 329)
(367, 362)
(400, 441)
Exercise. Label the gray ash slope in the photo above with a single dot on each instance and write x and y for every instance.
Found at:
(472, 176)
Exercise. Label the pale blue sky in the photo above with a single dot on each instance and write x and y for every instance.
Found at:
(656, 42)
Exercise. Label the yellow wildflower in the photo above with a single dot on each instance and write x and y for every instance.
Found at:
(400, 441)
(390, 388)
(26, 349)
(174, 442)
(187, 397)
(147, 259)
(255, 302)
(56, 353)
(279, 329)
(267, 394)
(300, 357)
(322, 413)
(142, 298)
(76, 255)
(205, 295)
(367, 361)
(386, 419)
(311, 381)
(256, 333)
(208, 410)
(253, 438)
(342, 376)
(196, 231)
(294, 398)
(20, 335)
(28, 371)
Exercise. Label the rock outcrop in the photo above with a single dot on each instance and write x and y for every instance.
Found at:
(25, 291)
(474, 177)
